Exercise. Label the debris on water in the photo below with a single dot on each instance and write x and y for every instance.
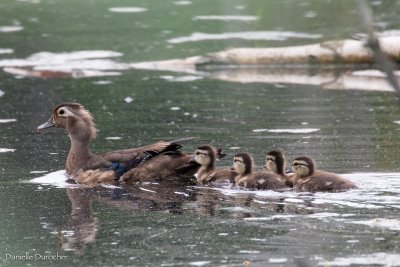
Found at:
(127, 9)
(186, 78)
(199, 263)
(11, 28)
(277, 260)
(6, 51)
(102, 82)
(113, 138)
(5, 150)
(128, 99)
(306, 130)
(226, 18)
(7, 120)
(182, 3)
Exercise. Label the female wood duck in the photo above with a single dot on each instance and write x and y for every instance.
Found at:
(206, 156)
(243, 164)
(87, 168)
(307, 178)
(275, 162)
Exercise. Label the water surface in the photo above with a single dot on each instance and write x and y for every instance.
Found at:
(351, 132)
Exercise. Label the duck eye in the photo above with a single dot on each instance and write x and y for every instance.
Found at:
(61, 111)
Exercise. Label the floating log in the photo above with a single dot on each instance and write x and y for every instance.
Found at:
(343, 52)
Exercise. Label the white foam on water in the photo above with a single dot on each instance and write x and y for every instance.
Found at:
(7, 120)
(261, 35)
(127, 9)
(378, 259)
(38, 172)
(226, 18)
(199, 263)
(11, 28)
(1, 93)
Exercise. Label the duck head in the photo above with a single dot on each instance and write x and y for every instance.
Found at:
(303, 166)
(206, 156)
(243, 163)
(275, 162)
(74, 118)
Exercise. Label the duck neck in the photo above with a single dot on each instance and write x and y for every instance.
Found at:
(78, 155)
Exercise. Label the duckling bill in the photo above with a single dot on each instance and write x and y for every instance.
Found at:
(85, 167)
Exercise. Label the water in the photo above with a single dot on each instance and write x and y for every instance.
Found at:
(94, 43)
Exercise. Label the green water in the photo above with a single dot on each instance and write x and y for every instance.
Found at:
(203, 226)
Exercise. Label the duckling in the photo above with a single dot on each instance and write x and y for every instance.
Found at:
(275, 162)
(308, 178)
(82, 165)
(206, 156)
(243, 164)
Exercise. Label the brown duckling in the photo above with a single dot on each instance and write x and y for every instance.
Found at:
(206, 156)
(82, 165)
(308, 178)
(243, 164)
(275, 162)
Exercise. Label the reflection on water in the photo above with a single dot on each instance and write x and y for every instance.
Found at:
(254, 208)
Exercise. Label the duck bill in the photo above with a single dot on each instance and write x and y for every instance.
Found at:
(47, 124)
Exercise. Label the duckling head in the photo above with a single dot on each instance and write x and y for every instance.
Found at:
(303, 166)
(74, 118)
(275, 162)
(206, 156)
(243, 163)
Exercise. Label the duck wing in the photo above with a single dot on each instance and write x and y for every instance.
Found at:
(123, 160)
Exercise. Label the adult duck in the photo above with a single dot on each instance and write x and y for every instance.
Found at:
(85, 167)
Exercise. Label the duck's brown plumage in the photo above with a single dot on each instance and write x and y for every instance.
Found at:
(308, 178)
(206, 157)
(87, 168)
(265, 180)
